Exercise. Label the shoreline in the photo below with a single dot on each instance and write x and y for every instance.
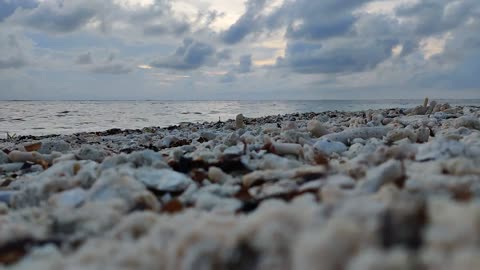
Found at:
(342, 190)
(62, 118)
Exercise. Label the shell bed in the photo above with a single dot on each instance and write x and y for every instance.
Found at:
(378, 189)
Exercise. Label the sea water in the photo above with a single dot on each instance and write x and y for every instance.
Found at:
(66, 117)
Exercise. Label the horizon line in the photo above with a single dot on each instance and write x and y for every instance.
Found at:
(170, 100)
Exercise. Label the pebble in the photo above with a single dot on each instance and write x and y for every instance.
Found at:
(91, 153)
(3, 158)
(49, 146)
(163, 180)
(316, 128)
(329, 147)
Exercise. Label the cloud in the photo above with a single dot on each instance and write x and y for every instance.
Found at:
(247, 23)
(58, 16)
(14, 50)
(175, 29)
(429, 17)
(8, 7)
(229, 77)
(318, 20)
(245, 65)
(346, 56)
(107, 66)
(84, 59)
(14, 62)
(112, 69)
(192, 54)
(304, 19)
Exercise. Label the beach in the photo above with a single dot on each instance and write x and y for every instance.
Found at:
(390, 188)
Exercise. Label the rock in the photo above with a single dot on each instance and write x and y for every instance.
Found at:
(3, 158)
(239, 121)
(286, 149)
(289, 125)
(88, 152)
(49, 146)
(316, 128)
(422, 134)
(30, 147)
(419, 110)
(17, 156)
(468, 122)
(117, 186)
(6, 196)
(299, 174)
(233, 150)
(11, 167)
(164, 180)
(231, 139)
(272, 161)
(399, 134)
(329, 147)
(349, 135)
(208, 135)
(440, 149)
(431, 108)
(425, 102)
(388, 172)
(210, 202)
(216, 175)
(70, 198)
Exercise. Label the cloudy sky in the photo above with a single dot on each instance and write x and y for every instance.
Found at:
(237, 49)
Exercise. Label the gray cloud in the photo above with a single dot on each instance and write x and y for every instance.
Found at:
(14, 62)
(457, 66)
(336, 57)
(13, 51)
(58, 16)
(304, 19)
(8, 7)
(84, 59)
(229, 77)
(321, 19)
(245, 64)
(107, 66)
(429, 17)
(247, 23)
(175, 29)
(112, 69)
(190, 55)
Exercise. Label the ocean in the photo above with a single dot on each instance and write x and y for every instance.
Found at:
(66, 117)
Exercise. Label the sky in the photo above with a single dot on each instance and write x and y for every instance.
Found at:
(237, 49)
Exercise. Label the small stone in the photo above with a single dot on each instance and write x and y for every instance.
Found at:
(400, 134)
(3, 158)
(468, 122)
(423, 134)
(419, 110)
(11, 167)
(387, 172)
(163, 180)
(239, 121)
(70, 198)
(431, 108)
(88, 152)
(329, 147)
(49, 146)
(425, 102)
(6, 196)
(316, 128)
(33, 146)
(208, 135)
